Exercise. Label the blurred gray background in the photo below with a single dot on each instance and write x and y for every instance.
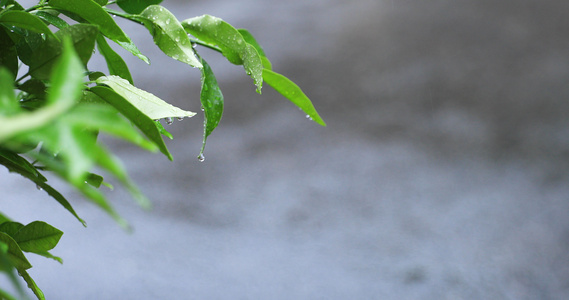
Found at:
(442, 173)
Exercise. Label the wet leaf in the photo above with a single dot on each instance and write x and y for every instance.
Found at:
(218, 33)
(292, 92)
(32, 284)
(51, 19)
(169, 35)
(152, 106)
(249, 38)
(95, 14)
(25, 20)
(115, 63)
(212, 102)
(136, 6)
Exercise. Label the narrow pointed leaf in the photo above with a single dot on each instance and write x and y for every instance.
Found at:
(292, 92)
(50, 256)
(152, 106)
(131, 112)
(25, 20)
(216, 32)
(249, 38)
(212, 102)
(136, 6)
(37, 237)
(169, 35)
(32, 284)
(95, 14)
(115, 63)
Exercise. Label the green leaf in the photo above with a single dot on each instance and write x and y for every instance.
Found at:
(51, 18)
(292, 92)
(95, 14)
(37, 237)
(169, 35)
(115, 63)
(8, 103)
(83, 38)
(136, 6)
(212, 102)
(251, 40)
(32, 284)
(25, 20)
(15, 254)
(3, 218)
(218, 33)
(8, 53)
(131, 112)
(101, 2)
(152, 106)
(11, 228)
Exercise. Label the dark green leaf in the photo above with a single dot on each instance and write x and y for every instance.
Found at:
(25, 20)
(131, 112)
(212, 102)
(3, 218)
(83, 37)
(169, 35)
(219, 33)
(95, 14)
(15, 254)
(292, 92)
(251, 40)
(37, 237)
(136, 6)
(115, 63)
(16, 5)
(8, 54)
(102, 2)
(11, 228)
(34, 87)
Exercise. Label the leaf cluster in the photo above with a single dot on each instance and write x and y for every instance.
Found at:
(53, 107)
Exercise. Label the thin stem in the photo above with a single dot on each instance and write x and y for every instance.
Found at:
(124, 16)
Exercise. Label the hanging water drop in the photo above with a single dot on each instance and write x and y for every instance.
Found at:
(180, 118)
(169, 121)
(39, 187)
(309, 117)
(201, 157)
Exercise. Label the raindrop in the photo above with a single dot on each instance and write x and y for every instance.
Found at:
(168, 22)
(201, 158)
(39, 188)
(180, 118)
(202, 108)
(169, 121)
(177, 39)
(309, 117)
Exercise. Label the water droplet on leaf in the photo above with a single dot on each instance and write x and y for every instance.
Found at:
(39, 188)
(169, 121)
(201, 157)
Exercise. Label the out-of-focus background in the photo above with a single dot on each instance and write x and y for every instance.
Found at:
(442, 174)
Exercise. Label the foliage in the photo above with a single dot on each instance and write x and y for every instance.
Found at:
(52, 114)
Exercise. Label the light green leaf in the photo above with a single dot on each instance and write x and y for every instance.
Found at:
(152, 106)
(218, 33)
(37, 237)
(136, 6)
(249, 38)
(169, 35)
(212, 102)
(292, 92)
(15, 254)
(25, 20)
(32, 284)
(131, 112)
(95, 14)
(115, 63)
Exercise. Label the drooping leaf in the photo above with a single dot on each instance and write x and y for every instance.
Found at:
(15, 254)
(152, 106)
(95, 14)
(25, 20)
(32, 284)
(115, 63)
(136, 6)
(212, 102)
(131, 112)
(44, 57)
(249, 38)
(292, 92)
(216, 32)
(169, 35)
(37, 237)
